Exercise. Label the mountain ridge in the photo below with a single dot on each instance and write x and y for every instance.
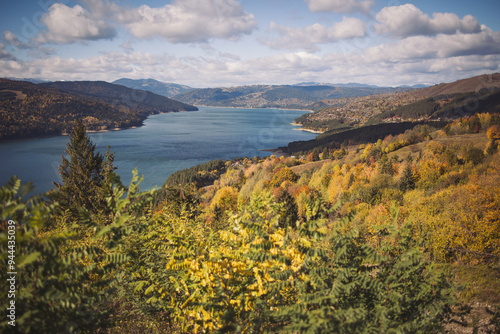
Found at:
(158, 87)
(274, 96)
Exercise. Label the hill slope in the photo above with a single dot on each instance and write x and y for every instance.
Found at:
(143, 101)
(154, 86)
(30, 110)
(474, 84)
(456, 99)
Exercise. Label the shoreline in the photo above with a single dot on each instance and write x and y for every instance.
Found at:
(4, 140)
(304, 129)
(277, 108)
(276, 150)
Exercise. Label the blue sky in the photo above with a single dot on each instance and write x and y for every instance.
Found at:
(209, 43)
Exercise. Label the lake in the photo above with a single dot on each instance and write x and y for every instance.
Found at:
(165, 144)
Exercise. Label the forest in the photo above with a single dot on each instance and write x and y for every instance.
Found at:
(398, 235)
(47, 109)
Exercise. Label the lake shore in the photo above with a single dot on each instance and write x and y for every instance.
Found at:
(304, 129)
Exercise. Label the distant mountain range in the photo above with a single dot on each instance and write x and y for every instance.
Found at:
(154, 86)
(273, 96)
(354, 85)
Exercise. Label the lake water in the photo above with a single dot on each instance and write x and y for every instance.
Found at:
(165, 144)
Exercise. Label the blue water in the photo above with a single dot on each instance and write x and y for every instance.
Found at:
(165, 144)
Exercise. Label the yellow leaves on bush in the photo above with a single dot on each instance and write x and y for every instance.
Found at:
(284, 174)
(435, 147)
(493, 132)
(474, 213)
(226, 199)
(230, 276)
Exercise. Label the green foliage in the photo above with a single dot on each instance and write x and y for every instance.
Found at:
(199, 175)
(50, 292)
(358, 289)
(86, 177)
(407, 180)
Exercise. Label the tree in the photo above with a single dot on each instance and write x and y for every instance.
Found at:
(284, 174)
(315, 155)
(407, 181)
(85, 176)
(326, 153)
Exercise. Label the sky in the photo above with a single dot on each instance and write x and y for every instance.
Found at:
(214, 43)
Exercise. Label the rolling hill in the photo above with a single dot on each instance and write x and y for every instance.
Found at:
(154, 86)
(475, 84)
(143, 101)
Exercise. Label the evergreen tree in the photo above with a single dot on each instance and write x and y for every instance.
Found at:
(86, 176)
(407, 181)
(326, 153)
(315, 155)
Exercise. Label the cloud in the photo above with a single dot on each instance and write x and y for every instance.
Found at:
(407, 20)
(67, 25)
(12, 39)
(285, 68)
(183, 21)
(4, 54)
(307, 38)
(486, 42)
(340, 6)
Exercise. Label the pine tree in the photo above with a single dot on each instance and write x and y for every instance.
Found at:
(315, 155)
(86, 176)
(326, 153)
(407, 181)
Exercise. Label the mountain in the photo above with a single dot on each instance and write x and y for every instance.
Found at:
(32, 110)
(154, 86)
(475, 84)
(274, 96)
(348, 85)
(142, 101)
(35, 81)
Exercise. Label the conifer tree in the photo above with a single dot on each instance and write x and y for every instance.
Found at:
(315, 155)
(86, 176)
(407, 181)
(326, 153)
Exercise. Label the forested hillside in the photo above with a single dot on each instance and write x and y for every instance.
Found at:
(143, 101)
(448, 101)
(398, 235)
(30, 110)
(154, 86)
(269, 96)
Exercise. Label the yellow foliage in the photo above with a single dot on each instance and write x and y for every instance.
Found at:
(225, 199)
(493, 132)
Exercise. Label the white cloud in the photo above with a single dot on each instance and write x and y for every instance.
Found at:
(67, 25)
(486, 42)
(183, 21)
(12, 39)
(4, 54)
(340, 6)
(307, 38)
(407, 20)
(33, 49)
